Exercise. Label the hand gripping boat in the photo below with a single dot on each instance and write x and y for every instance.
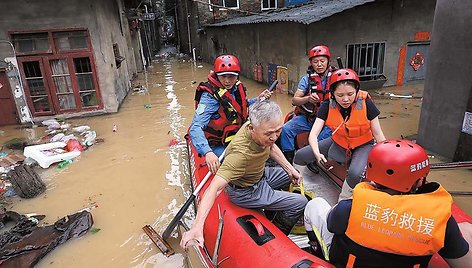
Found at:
(243, 237)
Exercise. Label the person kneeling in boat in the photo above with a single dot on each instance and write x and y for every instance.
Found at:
(248, 182)
(354, 120)
(395, 220)
(221, 109)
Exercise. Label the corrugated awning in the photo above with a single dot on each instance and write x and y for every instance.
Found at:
(310, 12)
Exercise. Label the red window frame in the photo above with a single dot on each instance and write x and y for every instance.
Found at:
(27, 89)
(44, 60)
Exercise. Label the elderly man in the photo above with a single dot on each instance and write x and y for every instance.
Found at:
(248, 182)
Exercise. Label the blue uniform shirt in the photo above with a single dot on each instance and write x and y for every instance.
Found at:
(304, 83)
(207, 109)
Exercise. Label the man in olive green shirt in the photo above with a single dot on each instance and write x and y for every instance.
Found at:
(248, 182)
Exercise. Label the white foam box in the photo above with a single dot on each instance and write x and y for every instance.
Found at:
(49, 153)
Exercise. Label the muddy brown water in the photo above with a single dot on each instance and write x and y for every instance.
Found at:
(139, 175)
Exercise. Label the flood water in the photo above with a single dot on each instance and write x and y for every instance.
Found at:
(138, 175)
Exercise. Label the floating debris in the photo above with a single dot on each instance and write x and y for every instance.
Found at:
(400, 96)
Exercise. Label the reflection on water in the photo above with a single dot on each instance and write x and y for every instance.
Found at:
(137, 176)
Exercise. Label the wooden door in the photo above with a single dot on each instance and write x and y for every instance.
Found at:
(8, 111)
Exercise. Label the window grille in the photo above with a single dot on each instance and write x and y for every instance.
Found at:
(31, 43)
(37, 89)
(84, 74)
(74, 40)
(367, 59)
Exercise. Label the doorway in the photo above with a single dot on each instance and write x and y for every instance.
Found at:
(416, 62)
(8, 112)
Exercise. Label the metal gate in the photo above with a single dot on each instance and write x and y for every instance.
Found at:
(416, 62)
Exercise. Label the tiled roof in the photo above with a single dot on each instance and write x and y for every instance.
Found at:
(307, 13)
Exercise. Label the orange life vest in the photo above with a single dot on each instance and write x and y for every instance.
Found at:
(407, 225)
(316, 86)
(353, 131)
(233, 111)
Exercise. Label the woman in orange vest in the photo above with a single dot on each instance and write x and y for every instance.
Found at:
(396, 220)
(353, 119)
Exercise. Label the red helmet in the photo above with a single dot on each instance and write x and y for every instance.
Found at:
(319, 51)
(227, 64)
(343, 75)
(397, 164)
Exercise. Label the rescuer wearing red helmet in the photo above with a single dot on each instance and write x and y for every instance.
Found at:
(353, 119)
(313, 89)
(221, 109)
(395, 220)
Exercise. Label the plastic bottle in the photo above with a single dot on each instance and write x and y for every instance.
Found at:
(115, 128)
(64, 163)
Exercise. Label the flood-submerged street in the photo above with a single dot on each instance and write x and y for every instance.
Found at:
(139, 174)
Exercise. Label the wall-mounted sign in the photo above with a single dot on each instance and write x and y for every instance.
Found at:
(282, 77)
(467, 123)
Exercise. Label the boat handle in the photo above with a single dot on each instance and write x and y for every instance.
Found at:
(258, 225)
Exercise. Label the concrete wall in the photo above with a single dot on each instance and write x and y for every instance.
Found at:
(287, 43)
(448, 85)
(393, 21)
(105, 23)
(262, 43)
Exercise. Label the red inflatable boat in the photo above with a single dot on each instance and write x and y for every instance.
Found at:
(248, 238)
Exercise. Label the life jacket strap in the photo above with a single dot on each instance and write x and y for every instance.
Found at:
(350, 261)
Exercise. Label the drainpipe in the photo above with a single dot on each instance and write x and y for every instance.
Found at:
(20, 80)
(141, 48)
(188, 28)
(194, 56)
(176, 29)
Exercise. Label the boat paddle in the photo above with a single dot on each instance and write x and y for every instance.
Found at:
(340, 63)
(271, 88)
(184, 208)
(452, 165)
(160, 241)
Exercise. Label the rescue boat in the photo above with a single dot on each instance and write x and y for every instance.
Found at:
(247, 238)
(240, 237)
